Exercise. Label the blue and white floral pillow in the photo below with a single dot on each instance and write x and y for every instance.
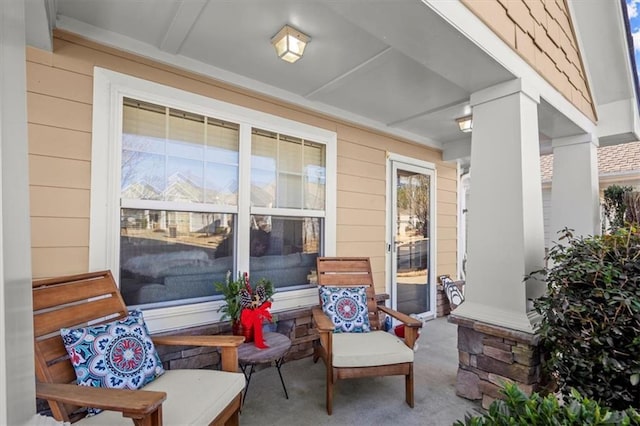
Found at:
(347, 308)
(119, 354)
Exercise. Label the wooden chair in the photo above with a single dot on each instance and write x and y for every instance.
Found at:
(351, 355)
(189, 396)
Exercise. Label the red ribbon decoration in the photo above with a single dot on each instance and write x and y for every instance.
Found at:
(253, 318)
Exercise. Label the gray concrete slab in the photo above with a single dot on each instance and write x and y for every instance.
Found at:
(368, 401)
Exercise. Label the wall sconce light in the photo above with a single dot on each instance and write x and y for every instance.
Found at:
(465, 123)
(290, 43)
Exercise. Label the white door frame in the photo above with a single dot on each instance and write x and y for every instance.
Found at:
(395, 162)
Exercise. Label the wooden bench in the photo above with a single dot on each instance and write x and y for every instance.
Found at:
(177, 397)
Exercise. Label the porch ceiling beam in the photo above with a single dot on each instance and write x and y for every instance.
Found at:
(344, 75)
(186, 16)
(40, 17)
(457, 150)
(619, 122)
(455, 104)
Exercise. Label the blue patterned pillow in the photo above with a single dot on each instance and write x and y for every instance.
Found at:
(119, 354)
(347, 308)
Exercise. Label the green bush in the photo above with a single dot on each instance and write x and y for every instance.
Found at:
(519, 409)
(614, 205)
(590, 329)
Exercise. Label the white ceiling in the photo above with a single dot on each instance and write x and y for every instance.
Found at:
(393, 64)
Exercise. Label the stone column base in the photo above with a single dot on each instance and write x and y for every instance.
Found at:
(490, 355)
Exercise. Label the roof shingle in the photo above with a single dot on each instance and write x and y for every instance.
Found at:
(612, 159)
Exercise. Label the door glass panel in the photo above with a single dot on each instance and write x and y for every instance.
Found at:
(412, 242)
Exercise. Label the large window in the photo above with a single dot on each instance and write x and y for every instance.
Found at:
(194, 188)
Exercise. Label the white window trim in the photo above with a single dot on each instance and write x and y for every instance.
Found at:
(109, 88)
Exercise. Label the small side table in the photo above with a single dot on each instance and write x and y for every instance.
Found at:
(249, 355)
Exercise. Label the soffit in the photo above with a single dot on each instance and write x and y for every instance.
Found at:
(394, 65)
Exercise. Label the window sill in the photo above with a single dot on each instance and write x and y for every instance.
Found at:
(178, 317)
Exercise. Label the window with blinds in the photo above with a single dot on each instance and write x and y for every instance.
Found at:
(180, 197)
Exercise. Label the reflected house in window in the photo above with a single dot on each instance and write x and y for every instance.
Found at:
(141, 190)
(182, 189)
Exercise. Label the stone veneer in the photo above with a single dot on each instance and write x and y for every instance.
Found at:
(295, 324)
(490, 355)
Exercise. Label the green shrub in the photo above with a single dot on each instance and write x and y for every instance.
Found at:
(614, 205)
(590, 329)
(519, 409)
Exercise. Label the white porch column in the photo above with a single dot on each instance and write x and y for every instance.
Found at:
(17, 403)
(574, 189)
(506, 231)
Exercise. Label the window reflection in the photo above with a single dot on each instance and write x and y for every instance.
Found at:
(172, 255)
(174, 155)
(286, 172)
(284, 249)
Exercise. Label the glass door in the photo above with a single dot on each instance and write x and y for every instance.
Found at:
(412, 239)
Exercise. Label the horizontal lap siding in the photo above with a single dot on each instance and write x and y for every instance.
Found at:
(447, 219)
(59, 125)
(362, 199)
(60, 93)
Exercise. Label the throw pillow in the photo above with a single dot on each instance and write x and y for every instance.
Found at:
(119, 354)
(347, 308)
(452, 291)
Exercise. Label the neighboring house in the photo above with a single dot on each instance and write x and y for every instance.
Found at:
(617, 165)
(105, 101)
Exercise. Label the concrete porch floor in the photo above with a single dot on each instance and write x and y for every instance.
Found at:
(369, 401)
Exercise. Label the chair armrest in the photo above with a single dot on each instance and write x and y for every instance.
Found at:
(132, 403)
(405, 319)
(228, 346)
(323, 322)
(209, 341)
(411, 325)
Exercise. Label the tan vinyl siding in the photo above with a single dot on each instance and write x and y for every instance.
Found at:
(59, 232)
(59, 202)
(60, 120)
(59, 142)
(541, 32)
(55, 261)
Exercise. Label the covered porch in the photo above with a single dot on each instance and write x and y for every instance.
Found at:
(403, 71)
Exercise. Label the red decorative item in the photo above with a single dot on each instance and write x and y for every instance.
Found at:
(399, 330)
(255, 310)
(251, 319)
(238, 330)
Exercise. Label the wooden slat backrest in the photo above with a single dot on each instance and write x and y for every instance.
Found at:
(350, 272)
(69, 302)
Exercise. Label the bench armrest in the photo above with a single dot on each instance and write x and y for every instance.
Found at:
(205, 340)
(136, 404)
(228, 346)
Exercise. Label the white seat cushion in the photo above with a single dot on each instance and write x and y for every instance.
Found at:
(369, 349)
(194, 397)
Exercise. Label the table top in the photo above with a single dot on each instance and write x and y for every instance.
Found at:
(278, 344)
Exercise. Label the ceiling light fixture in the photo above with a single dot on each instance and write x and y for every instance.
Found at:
(290, 43)
(465, 123)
